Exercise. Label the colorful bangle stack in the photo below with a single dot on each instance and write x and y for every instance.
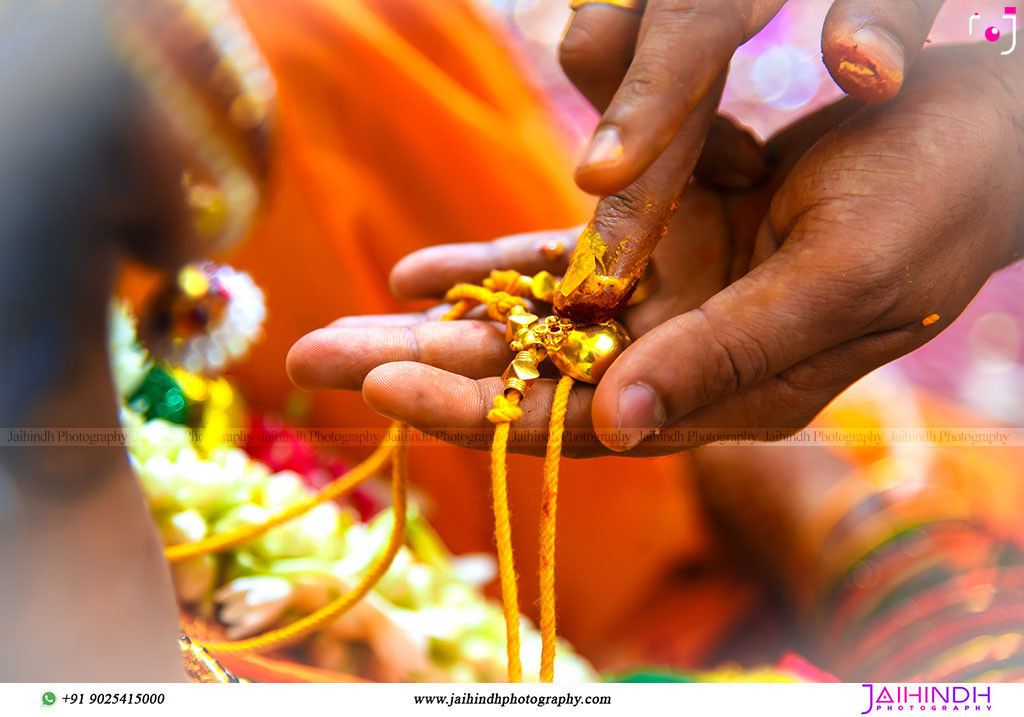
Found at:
(908, 585)
(872, 505)
(939, 623)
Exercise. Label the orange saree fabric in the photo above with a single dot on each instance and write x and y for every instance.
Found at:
(404, 124)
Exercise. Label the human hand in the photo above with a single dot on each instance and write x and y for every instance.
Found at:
(763, 316)
(658, 78)
(648, 71)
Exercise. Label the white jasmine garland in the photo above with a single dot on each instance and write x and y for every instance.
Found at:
(426, 619)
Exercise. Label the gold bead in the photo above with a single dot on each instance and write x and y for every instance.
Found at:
(513, 384)
(518, 320)
(522, 287)
(543, 285)
(588, 350)
(551, 332)
(522, 373)
(525, 364)
(528, 338)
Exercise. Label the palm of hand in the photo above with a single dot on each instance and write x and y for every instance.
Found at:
(771, 301)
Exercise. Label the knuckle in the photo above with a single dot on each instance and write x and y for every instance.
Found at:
(663, 67)
(580, 54)
(723, 375)
(872, 296)
(408, 343)
(616, 208)
(797, 386)
(747, 359)
(724, 378)
(737, 360)
(645, 82)
(729, 20)
(485, 391)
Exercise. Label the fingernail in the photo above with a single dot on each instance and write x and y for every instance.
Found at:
(604, 150)
(882, 48)
(640, 414)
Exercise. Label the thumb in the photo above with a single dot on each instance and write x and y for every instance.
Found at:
(868, 45)
(779, 314)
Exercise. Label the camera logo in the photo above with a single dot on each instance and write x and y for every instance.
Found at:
(992, 33)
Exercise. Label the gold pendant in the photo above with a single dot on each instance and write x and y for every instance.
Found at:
(583, 351)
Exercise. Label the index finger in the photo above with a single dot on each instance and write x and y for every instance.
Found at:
(683, 48)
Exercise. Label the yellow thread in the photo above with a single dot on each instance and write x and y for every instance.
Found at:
(498, 303)
(502, 280)
(549, 506)
(469, 292)
(501, 416)
(337, 607)
(458, 310)
(506, 410)
(502, 303)
(339, 486)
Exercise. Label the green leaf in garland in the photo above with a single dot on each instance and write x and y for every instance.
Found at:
(160, 396)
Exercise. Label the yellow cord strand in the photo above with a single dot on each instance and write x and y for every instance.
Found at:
(337, 607)
(549, 506)
(338, 487)
(504, 412)
(459, 309)
(498, 303)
